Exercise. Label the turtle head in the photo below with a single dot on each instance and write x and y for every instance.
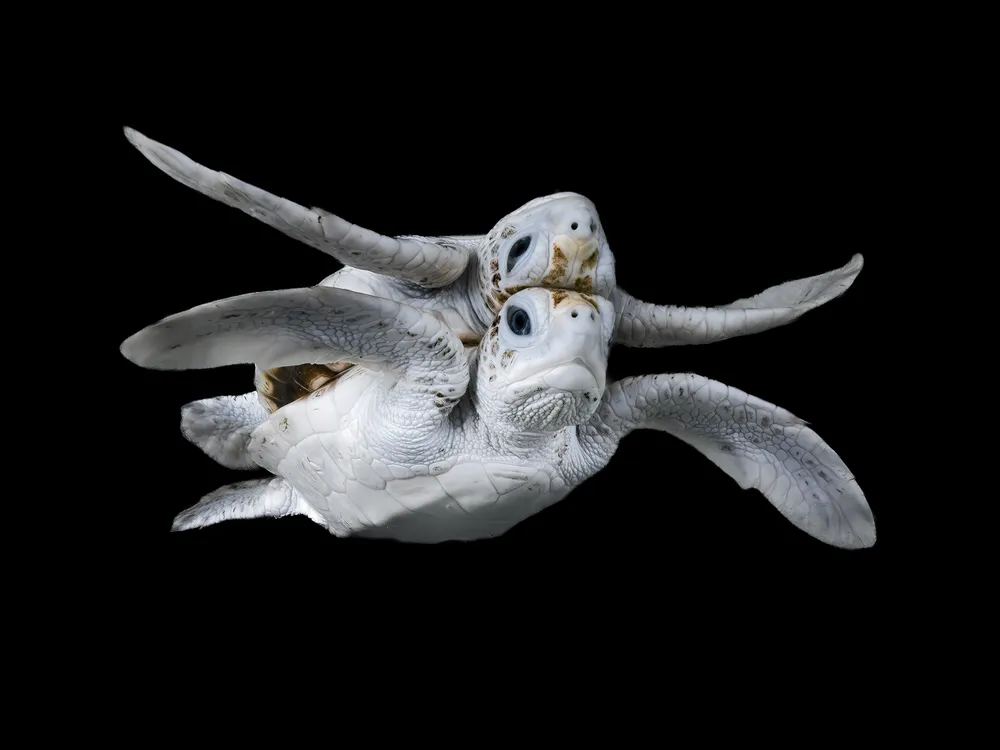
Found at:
(542, 364)
(556, 242)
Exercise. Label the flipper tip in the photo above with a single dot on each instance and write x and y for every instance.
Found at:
(182, 523)
(128, 349)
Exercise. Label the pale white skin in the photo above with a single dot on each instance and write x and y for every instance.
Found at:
(428, 441)
(465, 279)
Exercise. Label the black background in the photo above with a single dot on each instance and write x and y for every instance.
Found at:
(713, 182)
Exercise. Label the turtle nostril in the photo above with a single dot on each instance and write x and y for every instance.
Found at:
(573, 226)
(575, 313)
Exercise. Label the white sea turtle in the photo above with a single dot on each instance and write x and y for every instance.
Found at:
(427, 440)
(556, 241)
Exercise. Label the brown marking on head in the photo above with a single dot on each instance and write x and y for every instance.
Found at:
(495, 266)
(507, 231)
(582, 297)
(507, 358)
(501, 297)
(563, 297)
(591, 261)
(510, 291)
(583, 284)
(558, 270)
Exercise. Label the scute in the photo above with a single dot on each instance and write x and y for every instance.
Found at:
(507, 478)
(469, 486)
(462, 505)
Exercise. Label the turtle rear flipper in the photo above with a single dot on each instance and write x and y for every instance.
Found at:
(221, 427)
(255, 498)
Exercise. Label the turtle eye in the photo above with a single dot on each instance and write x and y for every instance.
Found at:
(520, 248)
(518, 321)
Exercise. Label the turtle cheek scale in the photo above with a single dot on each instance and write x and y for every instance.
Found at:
(540, 408)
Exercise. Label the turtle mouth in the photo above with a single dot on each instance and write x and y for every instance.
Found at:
(575, 376)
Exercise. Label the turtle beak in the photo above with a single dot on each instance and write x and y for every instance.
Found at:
(576, 376)
(578, 327)
(572, 259)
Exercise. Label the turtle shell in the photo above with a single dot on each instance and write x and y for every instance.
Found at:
(281, 386)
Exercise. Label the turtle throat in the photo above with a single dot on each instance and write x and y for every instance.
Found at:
(519, 427)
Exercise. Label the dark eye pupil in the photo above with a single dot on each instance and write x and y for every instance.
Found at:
(519, 321)
(519, 249)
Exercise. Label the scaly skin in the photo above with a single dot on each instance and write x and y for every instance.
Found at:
(423, 444)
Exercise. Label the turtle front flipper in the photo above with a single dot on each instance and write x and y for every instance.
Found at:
(759, 445)
(422, 261)
(648, 325)
(425, 359)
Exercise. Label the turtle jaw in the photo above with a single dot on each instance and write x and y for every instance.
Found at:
(575, 377)
(534, 406)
